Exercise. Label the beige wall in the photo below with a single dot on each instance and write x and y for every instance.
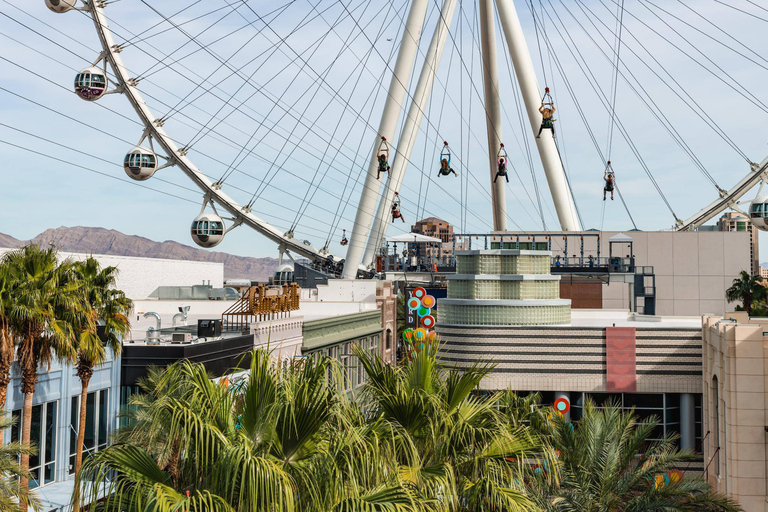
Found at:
(735, 407)
(693, 269)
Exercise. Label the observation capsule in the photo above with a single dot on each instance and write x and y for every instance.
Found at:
(758, 212)
(207, 230)
(91, 84)
(60, 6)
(140, 163)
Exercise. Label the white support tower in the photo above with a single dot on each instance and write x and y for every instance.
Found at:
(411, 129)
(392, 106)
(529, 87)
(492, 111)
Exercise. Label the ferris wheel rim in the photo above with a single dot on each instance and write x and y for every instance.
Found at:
(212, 191)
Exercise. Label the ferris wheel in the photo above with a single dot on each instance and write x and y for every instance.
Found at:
(385, 151)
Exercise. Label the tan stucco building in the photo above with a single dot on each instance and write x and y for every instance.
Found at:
(735, 407)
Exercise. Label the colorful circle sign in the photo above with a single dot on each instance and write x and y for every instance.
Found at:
(428, 322)
(428, 301)
(422, 312)
(420, 334)
(414, 303)
(562, 405)
(419, 293)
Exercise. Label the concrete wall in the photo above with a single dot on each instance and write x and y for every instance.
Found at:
(693, 269)
(735, 407)
(139, 277)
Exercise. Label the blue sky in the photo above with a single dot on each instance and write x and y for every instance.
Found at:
(62, 156)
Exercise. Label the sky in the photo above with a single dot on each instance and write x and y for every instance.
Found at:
(282, 99)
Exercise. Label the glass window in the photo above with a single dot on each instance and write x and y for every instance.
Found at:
(96, 425)
(42, 466)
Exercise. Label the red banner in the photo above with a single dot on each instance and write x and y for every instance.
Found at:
(621, 359)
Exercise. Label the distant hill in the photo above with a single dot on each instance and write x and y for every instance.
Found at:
(108, 241)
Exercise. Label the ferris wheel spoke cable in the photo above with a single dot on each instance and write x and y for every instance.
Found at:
(305, 202)
(476, 45)
(738, 87)
(237, 4)
(111, 162)
(347, 197)
(724, 32)
(288, 108)
(307, 66)
(579, 109)
(739, 90)
(225, 62)
(718, 41)
(518, 107)
(653, 107)
(604, 100)
(81, 123)
(199, 85)
(698, 110)
(132, 120)
(258, 192)
(359, 67)
(615, 79)
(538, 19)
(742, 11)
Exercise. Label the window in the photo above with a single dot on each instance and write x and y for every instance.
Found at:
(389, 339)
(96, 425)
(43, 435)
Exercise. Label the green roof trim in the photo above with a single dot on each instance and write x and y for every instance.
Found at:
(338, 329)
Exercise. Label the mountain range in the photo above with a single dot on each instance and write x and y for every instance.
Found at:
(108, 241)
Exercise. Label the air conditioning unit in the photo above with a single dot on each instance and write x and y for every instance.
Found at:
(181, 337)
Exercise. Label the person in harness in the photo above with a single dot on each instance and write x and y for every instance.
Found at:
(547, 121)
(547, 109)
(383, 159)
(502, 159)
(502, 170)
(396, 209)
(445, 162)
(610, 181)
(344, 240)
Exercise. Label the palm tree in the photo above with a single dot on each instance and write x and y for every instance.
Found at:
(467, 453)
(11, 491)
(607, 463)
(102, 305)
(6, 335)
(280, 439)
(40, 289)
(747, 289)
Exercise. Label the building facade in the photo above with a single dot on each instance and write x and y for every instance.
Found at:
(736, 222)
(691, 270)
(735, 407)
(436, 228)
(55, 423)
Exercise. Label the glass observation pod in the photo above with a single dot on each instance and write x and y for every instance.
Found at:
(758, 212)
(140, 163)
(60, 6)
(207, 229)
(91, 84)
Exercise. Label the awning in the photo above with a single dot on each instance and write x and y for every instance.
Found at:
(621, 238)
(413, 237)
